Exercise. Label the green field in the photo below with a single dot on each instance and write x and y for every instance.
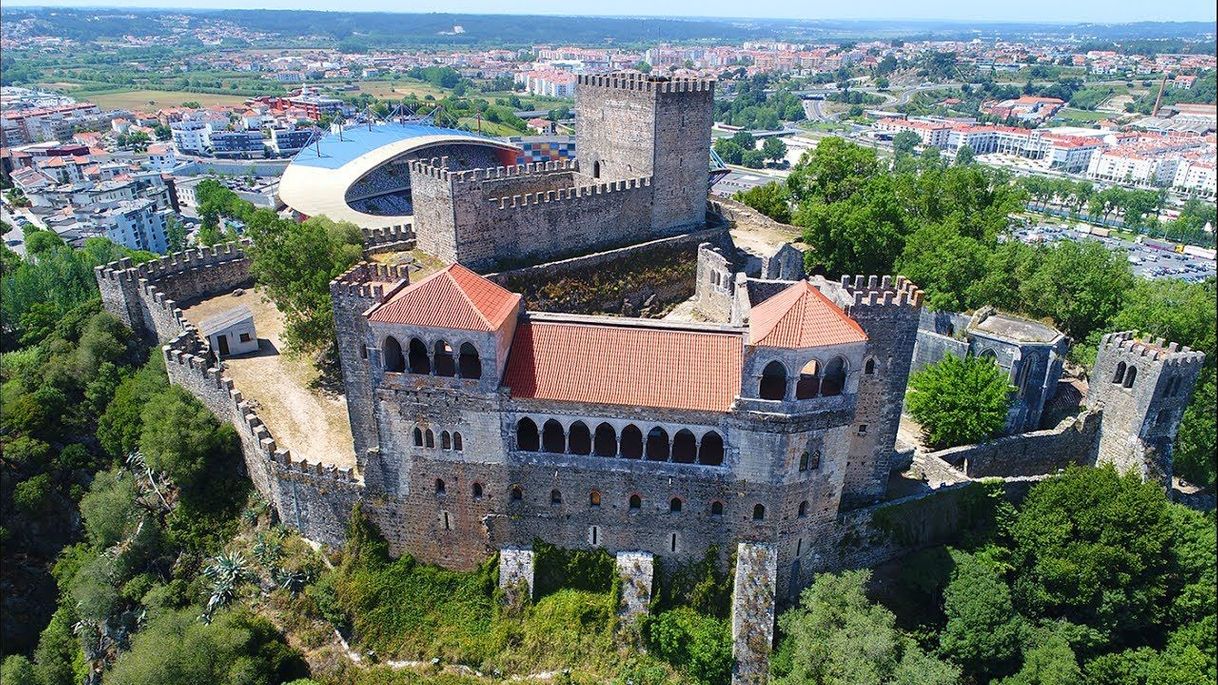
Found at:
(1071, 114)
(400, 88)
(489, 127)
(156, 99)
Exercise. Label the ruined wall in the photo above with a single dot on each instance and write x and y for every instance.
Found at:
(714, 284)
(1028, 454)
(388, 239)
(639, 280)
(753, 609)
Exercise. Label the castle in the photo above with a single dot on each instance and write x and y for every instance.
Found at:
(770, 424)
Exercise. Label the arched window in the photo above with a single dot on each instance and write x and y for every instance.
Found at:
(469, 363)
(594, 499)
(716, 509)
(990, 355)
(555, 497)
(808, 385)
(710, 452)
(579, 440)
(418, 357)
(516, 493)
(674, 505)
(477, 489)
(758, 512)
(1120, 373)
(632, 442)
(657, 444)
(803, 509)
(1130, 376)
(457, 445)
(445, 364)
(446, 441)
(363, 350)
(869, 367)
(552, 438)
(439, 486)
(526, 435)
(814, 461)
(605, 442)
(773, 382)
(596, 169)
(835, 378)
(429, 438)
(803, 461)
(418, 437)
(636, 503)
(393, 355)
(684, 447)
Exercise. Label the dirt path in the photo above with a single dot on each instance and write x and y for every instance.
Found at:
(312, 424)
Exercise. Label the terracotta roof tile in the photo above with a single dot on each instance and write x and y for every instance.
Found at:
(625, 365)
(454, 297)
(801, 316)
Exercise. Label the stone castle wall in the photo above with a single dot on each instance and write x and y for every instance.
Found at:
(1028, 454)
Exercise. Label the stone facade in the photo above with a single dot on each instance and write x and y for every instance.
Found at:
(1142, 386)
(753, 602)
(625, 189)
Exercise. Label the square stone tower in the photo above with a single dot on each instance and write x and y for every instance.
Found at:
(631, 125)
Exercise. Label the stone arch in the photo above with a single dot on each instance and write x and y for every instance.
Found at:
(553, 439)
(803, 460)
(429, 438)
(758, 512)
(716, 509)
(834, 380)
(632, 442)
(803, 509)
(773, 384)
(579, 439)
(469, 365)
(989, 354)
(658, 447)
(516, 493)
(808, 385)
(394, 361)
(418, 360)
(445, 364)
(710, 450)
(596, 169)
(636, 503)
(1131, 376)
(605, 442)
(477, 490)
(527, 438)
(684, 447)
(869, 367)
(418, 437)
(440, 486)
(674, 505)
(1120, 373)
(458, 445)
(594, 498)
(446, 440)
(555, 497)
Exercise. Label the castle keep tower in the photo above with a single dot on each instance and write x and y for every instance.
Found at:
(1142, 387)
(631, 125)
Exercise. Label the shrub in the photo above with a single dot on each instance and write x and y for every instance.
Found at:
(959, 400)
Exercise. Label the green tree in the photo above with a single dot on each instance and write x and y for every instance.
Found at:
(983, 631)
(862, 235)
(959, 400)
(774, 148)
(295, 262)
(944, 264)
(175, 234)
(699, 645)
(1081, 285)
(965, 156)
(1049, 661)
(904, 142)
(181, 437)
(771, 199)
(836, 636)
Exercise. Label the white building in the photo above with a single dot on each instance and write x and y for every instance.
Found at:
(230, 333)
(136, 224)
(189, 136)
(1196, 176)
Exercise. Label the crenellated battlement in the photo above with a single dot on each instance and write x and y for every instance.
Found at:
(879, 291)
(172, 264)
(437, 168)
(574, 193)
(1157, 349)
(645, 83)
(370, 280)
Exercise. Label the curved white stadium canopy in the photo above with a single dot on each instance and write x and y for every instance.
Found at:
(315, 185)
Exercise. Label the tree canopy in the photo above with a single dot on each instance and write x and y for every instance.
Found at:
(959, 400)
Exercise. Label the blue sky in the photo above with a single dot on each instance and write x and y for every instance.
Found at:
(1099, 11)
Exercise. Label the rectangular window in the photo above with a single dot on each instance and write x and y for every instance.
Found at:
(245, 337)
(862, 429)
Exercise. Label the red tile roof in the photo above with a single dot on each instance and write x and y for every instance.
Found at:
(454, 297)
(625, 365)
(801, 316)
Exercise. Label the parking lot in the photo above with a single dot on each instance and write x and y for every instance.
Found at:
(1146, 261)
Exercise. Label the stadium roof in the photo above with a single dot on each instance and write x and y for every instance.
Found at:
(316, 184)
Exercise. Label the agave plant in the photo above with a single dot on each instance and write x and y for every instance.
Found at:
(292, 581)
(227, 572)
(268, 549)
(137, 463)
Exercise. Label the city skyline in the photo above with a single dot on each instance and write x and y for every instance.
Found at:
(954, 11)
